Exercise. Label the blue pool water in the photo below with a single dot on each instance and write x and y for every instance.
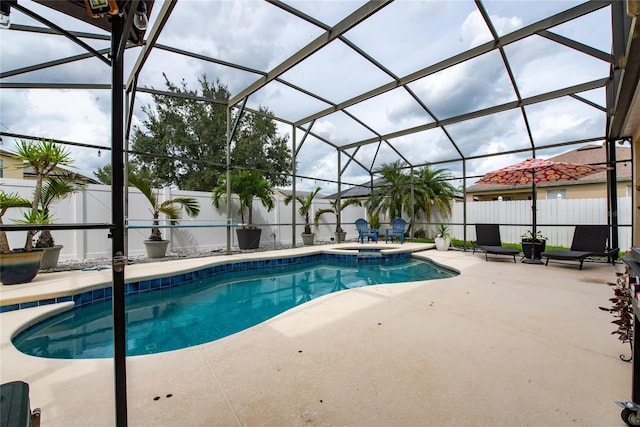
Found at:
(208, 309)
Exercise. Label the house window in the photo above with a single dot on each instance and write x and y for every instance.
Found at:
(1, 168)
(556, 194)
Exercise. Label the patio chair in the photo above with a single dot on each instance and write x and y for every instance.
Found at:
(396, 230)
(364, 231)
(588, 240)
(488, 240)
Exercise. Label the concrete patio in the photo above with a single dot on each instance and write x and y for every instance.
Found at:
(502, 344)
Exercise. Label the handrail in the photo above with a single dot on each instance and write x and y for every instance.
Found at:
(27, 227)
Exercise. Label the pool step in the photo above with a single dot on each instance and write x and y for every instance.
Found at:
(369, 255)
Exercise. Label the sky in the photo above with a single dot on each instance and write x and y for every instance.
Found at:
(404, 37)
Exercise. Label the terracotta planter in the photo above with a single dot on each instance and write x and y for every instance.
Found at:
(248, 238)
(19, 267)
(156, 248)
(50, 257)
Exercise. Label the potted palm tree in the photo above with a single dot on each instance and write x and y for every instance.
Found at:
(304, 210)
(43, 157)
(56, 188)
(155, 245)
(247, 185)
(336, 207)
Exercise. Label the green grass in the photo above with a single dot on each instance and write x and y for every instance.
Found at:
(460, 244)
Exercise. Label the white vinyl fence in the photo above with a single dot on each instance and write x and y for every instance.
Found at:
(207, 231)
(555, 218)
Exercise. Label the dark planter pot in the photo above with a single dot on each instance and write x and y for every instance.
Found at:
(19, 267)
(537, 245)
(248, 238)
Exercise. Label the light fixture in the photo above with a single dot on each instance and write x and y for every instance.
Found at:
(140, 20)
(5, 11)
(99, 153)
(97, 8)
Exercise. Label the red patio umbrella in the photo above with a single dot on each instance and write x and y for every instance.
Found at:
(534, 171)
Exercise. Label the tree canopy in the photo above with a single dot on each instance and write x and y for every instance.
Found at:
(182, 141)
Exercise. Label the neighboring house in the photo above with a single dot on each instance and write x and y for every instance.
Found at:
(359, 191)
(592, 186)
(282, 193)
(11, 168)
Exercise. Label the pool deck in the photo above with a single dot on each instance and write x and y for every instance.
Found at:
(502, 344)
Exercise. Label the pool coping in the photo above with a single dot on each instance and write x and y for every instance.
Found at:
(382, 345)
(64, 288)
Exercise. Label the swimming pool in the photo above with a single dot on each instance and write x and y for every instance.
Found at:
(204, 310)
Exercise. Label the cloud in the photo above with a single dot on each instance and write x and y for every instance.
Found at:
(403, 36)
(67, 115)
(474, 30)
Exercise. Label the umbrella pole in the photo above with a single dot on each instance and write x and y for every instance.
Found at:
(534, 220)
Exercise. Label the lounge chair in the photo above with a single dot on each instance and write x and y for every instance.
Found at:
(364, 231)
(397, 230)
(588, 240)
(488, 240)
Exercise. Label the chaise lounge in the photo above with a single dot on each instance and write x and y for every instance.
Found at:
(588, 240)
(488, 240)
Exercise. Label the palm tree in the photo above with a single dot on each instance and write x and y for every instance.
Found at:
(171, 208)
(44, 157)
(304, 209)
(56, 188)
(432, 190)
(336, 209)
(391, 194)
(247, 185)
(431, 187)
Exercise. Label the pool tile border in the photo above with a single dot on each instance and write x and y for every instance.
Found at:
(98, 295)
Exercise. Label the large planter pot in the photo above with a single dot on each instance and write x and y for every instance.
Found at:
(248, 238)
(442, 243)
(50, 257)
(537, 245)
(19, 267)
(156, 248)
(308, 238)
(341, 236)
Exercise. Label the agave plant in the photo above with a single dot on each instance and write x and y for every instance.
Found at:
(7, 201)
(171, 208)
